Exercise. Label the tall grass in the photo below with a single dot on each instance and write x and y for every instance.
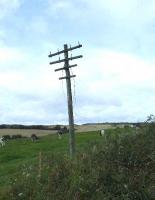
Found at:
(118, 167)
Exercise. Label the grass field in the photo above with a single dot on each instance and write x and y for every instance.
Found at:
(118, 166)
(16, 153)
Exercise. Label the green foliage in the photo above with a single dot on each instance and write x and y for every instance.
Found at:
(17, 153)
(114, 167)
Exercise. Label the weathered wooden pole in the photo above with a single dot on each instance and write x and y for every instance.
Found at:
(70, 104)
(72, 146)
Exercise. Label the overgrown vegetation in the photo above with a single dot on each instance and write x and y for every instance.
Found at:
(121, 166)
(19, 152)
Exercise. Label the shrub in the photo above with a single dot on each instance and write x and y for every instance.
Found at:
(6, 137)
(18, 136)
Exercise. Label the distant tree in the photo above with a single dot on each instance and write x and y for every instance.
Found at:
(65, 128)
(18, 136)
(150, 118)
(57, 127)
(3, 126)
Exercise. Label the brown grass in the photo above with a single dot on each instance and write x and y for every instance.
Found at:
(25, 132)
(87, 128)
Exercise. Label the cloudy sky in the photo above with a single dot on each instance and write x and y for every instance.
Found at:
(115, 78)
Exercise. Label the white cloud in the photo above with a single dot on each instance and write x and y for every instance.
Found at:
(117, 8)
(38, 26)
(10, 54)
(111, 85)
(117, 67)
(121, 83)
(7, 7)
(10, 79)
(22, 72)
(124, 9)
(29, 87)
(59, 5)
(66, 9)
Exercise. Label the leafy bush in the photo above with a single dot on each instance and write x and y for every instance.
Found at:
(6, 137)
(18, 136)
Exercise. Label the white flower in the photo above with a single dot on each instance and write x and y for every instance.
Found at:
(20, 194)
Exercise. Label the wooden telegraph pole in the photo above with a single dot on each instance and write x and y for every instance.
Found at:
(69, 89)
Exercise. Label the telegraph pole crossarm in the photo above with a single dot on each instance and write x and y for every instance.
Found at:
(60, 52)
(55, 54)
(65, 77)
(63, 68)
(69, 90)
(63, 60)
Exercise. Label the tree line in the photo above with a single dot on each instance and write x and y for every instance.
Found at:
(41, 127)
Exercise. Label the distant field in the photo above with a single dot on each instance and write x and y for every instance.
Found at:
(29, 132)
(25, 132)
(86, 128)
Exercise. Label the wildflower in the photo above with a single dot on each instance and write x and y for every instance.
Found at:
(20, 194)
